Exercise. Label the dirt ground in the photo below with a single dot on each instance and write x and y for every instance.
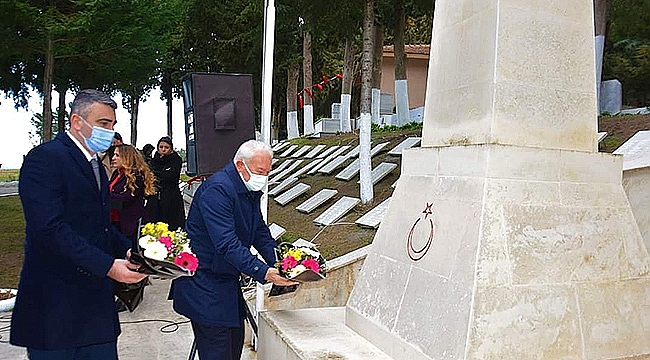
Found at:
(620, 128)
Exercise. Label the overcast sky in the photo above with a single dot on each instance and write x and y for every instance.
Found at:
(152, 125)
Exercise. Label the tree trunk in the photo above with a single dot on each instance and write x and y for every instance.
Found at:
(135, 104)
(601, 16)
(346, 87)
(378, 54)
(292, 114)
(308, 118)
(47, 91)
(167, 92)
(401, 84)
(365, 166)
(61, 110)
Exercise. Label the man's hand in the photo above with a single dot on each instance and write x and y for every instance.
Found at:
(123, 271)
(273, 275)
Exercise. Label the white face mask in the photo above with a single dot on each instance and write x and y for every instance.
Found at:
(255, 182)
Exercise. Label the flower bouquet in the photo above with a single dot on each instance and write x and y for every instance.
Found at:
(163, 253)
(300, 262)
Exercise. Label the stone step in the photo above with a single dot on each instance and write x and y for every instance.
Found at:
(312, 334)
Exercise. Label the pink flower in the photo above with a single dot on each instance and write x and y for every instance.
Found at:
(311, 264)
(187, 260)
(289, 263)
(167, 241)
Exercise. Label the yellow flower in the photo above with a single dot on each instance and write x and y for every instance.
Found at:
(296, 254)
(148, 229)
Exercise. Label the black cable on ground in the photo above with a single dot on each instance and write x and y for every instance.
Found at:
(168, 328)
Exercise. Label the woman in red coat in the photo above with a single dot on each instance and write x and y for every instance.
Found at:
(128, 187)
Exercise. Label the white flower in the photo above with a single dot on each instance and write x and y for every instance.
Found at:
(156, 251)
(311, 252)
(297, 271)
(146, 240)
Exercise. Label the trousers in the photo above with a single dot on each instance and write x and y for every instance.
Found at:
(105, 351)
(218, 343)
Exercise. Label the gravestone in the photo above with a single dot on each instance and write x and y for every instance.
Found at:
(329, 158)
(300, 152)
(292, 193)
(406, 144)
(378, 148)
(281, 167)
(274, 161)
(635, 111)
(286, 171)
(283, 185)
(353, 153)
(306, 168)
(509, 236)
(337, 211)
(336, 111)
(289, 151)
(373, 217)
(333, 165)
(601, 136)
(276, 231)
(636, 151)
(317, 200)
(349, 172)
(611, 96)
(381, 171)
(386, 104)
(329, 150)
(315, 151)
(280, 146)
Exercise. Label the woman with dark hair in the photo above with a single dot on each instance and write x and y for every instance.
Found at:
(167, 204)
(128, 187)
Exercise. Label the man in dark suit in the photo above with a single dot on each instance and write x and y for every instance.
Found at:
(223, 222)
(65, 307)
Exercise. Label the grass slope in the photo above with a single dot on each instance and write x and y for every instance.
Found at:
(12, 233)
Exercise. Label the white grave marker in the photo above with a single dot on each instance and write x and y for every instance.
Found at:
(317, 200)
(337, 211)
(636, 151)
(315, 151)
(373, 217)
(292, 193)
(406, 144)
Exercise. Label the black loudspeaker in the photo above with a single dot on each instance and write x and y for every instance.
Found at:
(219, 116)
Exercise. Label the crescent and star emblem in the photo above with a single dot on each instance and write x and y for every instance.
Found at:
(417, 254)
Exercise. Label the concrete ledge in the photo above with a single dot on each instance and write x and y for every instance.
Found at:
(312, 334)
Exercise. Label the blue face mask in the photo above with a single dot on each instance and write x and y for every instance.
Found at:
(100, 139)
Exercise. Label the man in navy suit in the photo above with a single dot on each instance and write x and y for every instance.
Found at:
(65, 308)
(224, 221)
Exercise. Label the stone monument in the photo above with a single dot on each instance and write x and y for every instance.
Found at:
(508, 235)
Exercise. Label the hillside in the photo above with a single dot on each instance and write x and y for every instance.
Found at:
(346, 236)
(336, 240)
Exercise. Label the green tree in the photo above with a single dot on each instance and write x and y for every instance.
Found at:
(627, 54)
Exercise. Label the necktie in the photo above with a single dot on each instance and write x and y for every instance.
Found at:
(95, 165)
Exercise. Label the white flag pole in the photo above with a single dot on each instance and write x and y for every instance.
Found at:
(267, 92)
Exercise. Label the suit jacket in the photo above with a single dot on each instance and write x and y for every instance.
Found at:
(223, 222)
(64, 297)
(130, 203)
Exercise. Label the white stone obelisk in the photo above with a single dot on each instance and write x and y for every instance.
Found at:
(508, 236)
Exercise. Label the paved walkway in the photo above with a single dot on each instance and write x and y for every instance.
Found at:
(143, 340)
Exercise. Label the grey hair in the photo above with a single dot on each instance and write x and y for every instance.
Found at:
(88, 97)
(248, 149)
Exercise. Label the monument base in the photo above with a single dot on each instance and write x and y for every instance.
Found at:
(312, 334)
(506, 252)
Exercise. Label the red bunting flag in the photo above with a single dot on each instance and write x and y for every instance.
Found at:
(319, 86)
(308, 91)
(325, 79)
(301, 102)
(339, 76)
